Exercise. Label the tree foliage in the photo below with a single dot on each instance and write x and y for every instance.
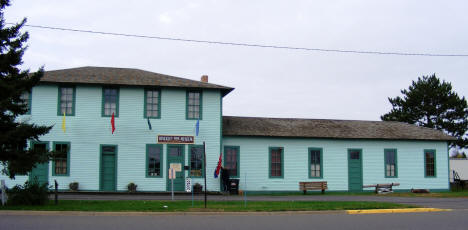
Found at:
(15, 131)
(431, 103)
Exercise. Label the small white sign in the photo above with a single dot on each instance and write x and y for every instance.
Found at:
(172, 173)
(188, 184)
(176, 166)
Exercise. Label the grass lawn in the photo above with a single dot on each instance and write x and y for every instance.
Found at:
(461, 194)
(186, 206)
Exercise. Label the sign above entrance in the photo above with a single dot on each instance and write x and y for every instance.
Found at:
(169, 139)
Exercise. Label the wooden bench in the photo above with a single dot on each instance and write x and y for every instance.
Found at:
(389, 187)
(316, 185)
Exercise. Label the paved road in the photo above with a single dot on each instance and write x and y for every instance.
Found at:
(440, 220)
(452, 203)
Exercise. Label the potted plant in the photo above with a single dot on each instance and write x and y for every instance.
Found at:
(197, 188)
(132, 187)
(73, 186)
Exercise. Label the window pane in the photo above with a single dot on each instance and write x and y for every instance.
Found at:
(196, 161)
(154, 162)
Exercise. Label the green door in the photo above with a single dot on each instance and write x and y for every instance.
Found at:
(176, 157)
(41, 171)
(108, 168)
(355, 170)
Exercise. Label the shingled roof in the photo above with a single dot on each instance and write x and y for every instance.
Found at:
(124, 76)
(335, 129)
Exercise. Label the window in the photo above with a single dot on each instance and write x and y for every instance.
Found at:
(315, 163)
(430, 163)
(194, 105)
(153, 160)
(26, 97)
(110, 102)
(152, 104)
(66, 101)
(231, 160)
(196, 161)
(276, 162)
(61, 162)
(390, 163)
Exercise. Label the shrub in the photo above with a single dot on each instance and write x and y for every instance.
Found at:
(73, 186)
(31, 193)
(132, 187)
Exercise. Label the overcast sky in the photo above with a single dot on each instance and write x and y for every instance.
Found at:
(267, 82)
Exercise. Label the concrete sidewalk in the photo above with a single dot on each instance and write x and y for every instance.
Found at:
(444, 203)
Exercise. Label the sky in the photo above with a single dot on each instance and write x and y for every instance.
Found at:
(267, 82)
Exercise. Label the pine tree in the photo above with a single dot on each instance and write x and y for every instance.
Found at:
(431, 103)
(15, 132)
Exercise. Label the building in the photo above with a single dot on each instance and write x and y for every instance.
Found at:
(153, 111)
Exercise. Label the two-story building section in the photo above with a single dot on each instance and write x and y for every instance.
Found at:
(115, 126)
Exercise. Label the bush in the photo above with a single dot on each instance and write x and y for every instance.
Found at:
(73, 186)
(132, 187)
(31, 193)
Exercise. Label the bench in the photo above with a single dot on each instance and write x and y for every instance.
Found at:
(384, 187)
(316, 185)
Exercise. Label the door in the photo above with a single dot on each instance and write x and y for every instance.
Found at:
(355, 170)
(108, 172)
(176, 158)
(41, 171)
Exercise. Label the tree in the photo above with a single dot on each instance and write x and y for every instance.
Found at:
(431, 103)
(15, 158)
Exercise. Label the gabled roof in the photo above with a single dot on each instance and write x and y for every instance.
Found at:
(334, 129)
(124, 76)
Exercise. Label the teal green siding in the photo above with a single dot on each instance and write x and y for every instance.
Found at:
(87, 130)
(254, 161)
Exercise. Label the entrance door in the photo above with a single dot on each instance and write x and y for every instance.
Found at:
(41, 171)
(176, 157)
(354, 169)
(108, 168)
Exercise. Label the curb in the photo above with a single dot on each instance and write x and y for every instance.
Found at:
(397, 210)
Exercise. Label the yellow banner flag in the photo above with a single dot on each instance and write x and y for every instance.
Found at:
(64, 127)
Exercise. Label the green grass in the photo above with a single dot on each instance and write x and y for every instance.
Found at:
(460, 194)
(186, 206)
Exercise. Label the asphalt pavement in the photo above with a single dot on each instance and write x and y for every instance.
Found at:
(453, 220)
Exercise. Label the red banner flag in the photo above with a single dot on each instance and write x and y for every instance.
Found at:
(216, 173)
(113, 123)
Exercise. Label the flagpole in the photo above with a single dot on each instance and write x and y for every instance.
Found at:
(204, 168)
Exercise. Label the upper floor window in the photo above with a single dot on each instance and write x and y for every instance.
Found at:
(276, 162)
(196, 161)
(152, 103)
(110, 102)
(26, 97)
(194, 105)
(66, 101)
(315, 163)
(61, 160)
(231, 160)
(390, 163)
(429, 163)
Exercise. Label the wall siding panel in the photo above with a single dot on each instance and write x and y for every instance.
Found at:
(254, 162)
(87, 130)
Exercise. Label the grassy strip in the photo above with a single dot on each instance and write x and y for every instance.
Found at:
(186, 206)
(461, 194)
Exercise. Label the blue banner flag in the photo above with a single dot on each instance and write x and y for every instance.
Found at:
(149, 124)
(197, 127)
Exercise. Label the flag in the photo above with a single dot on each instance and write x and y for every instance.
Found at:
(113, 123)
(216, 173)
(197, 128)
(64, 127)
(149, 124)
